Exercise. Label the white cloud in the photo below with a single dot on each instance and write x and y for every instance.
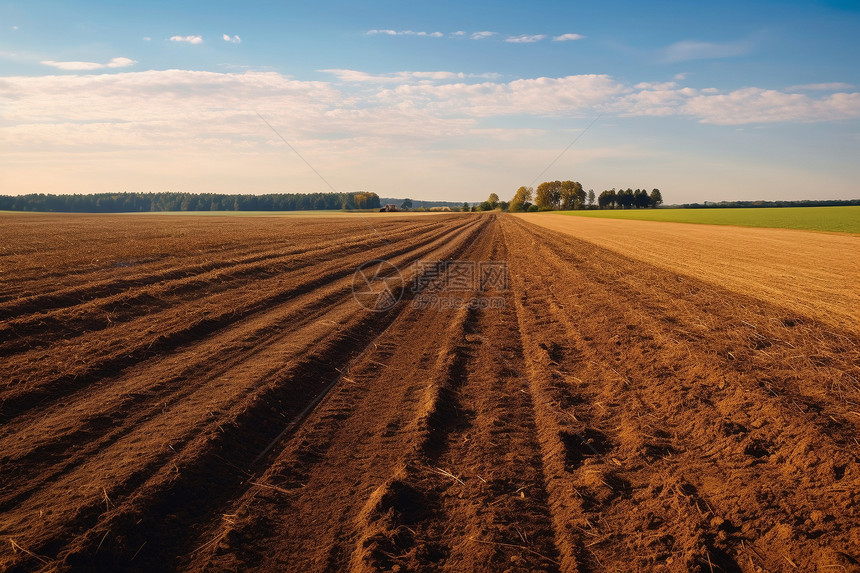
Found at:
(567, 37)
(692, 50)
(652, 100)
(660, 86)
(159, 109)
(558, 97)
(14, 27)
(746, 106)
(398, 77)
(173, 109)
(828, 86)
(73, 66)
(458, 33)
(756, 105)
(147, 39)
(89, 66)
(120, 62)
(680, 77)
(525, 38)
(482, 35)
(187, 39)
(162, 129)
(355, 76)
(232, 40)
(404, 33)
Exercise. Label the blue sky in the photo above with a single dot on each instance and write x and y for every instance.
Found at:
(442, 100)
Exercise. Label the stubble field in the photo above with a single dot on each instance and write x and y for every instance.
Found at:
(207, 394)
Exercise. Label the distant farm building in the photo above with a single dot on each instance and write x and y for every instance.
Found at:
(390, 208)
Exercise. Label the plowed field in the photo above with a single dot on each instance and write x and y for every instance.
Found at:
(207, 394)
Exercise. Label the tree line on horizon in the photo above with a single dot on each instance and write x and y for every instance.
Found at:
(549, 195)
(569, 195)
(171, 201)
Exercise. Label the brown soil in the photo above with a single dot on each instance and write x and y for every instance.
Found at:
(206, 394)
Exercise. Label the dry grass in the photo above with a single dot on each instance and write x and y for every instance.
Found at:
(807, 273)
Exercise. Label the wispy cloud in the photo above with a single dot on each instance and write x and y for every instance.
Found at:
(88, 66)
(178, 108)
(756, 105)
(567, 37)
(692, 50)
(355, 76)
(163, 121)
(828, 86)
(547, 97)
(482, 35)
(404, 33)
(738, 107)
(658, 86)
(525, 38)
(187, 39)
(14, 27)
(231, 39)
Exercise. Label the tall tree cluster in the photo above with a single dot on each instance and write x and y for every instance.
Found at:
(522, 200)
(560, 195)
(628, 198)
(568, 195)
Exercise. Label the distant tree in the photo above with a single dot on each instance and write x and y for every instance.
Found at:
(465, 207)
(548, 195)
(656, 198)
(624, 198)
(641, 199)
(581, 196)
(607, 198)
(533, 208)
(572, 195)
(591, 198)
(567, 194)
(521, 200)
(493, 201)
(503, 205)
(362, 200)
(407, 203)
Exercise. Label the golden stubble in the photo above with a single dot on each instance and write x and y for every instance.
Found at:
(810, 273)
